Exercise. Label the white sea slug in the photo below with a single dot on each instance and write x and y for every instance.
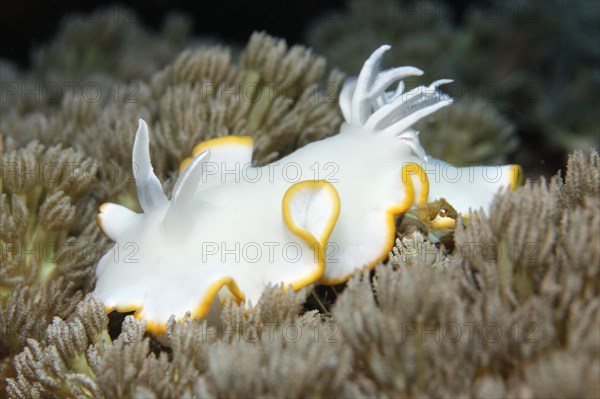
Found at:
(226, 234)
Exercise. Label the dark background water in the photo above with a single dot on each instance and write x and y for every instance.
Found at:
(27, 24)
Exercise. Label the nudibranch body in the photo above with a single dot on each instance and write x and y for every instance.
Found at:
(315, 216)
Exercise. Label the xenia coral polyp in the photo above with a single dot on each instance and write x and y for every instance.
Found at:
(335, 226)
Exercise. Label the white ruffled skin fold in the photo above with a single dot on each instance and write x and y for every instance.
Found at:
(229, 235)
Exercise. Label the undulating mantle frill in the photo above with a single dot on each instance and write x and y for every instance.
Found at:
(228, 235)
